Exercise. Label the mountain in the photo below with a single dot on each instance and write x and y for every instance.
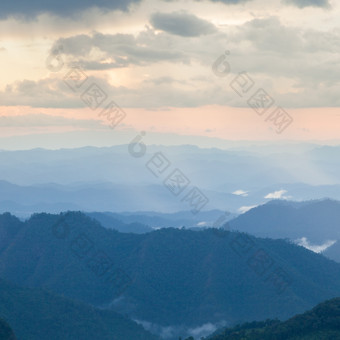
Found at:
(101, 197)
(115, 164)
(316, 221)
(333, 252)
(6, 332)
(322, 322)
(172, 281)
(35, 314)
(110, 179)
(146, 221)
(113, 221)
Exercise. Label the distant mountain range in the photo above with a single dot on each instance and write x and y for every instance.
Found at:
(313, 224)
(111, 180)
(317, 221)
(322, 322)
(140, 222)
(137, 256)
(101, 197)
(172, 281)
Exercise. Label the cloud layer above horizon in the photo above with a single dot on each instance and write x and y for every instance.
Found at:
(162, 55)
(30, 9)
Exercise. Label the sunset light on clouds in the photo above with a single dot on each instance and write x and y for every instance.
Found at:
(154, 59)
(169, 169)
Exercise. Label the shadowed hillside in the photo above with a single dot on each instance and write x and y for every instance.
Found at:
(168, 277)
(6, 332)
(36, 315)
(322, 322)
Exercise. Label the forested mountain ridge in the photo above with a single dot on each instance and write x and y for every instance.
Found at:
(6, 332)
(322, 322)
(316, 220)
(166, 277)
(35, 314)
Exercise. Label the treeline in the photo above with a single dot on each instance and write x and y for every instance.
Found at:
(322, 322)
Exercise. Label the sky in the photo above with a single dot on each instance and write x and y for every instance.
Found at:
(200, 72)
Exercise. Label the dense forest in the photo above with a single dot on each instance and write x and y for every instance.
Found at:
(36, 314)
(322, 322)
(6, 332)
(174, 278)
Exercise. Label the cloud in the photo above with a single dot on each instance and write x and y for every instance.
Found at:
(164, 80)
(30, 9)
(204, 330)
(182, 24)
(175, 331)
(277, 195)
(230, 2)
(316, 248)
(298, 3)
(309, 3)
(147, 73)
(44, 120)
(268, 34)
(202, 224)
(54, 93)
(48, 92)
(244, 209)
(312, 57)
(240, 193)
(2, 49)
(106, 51)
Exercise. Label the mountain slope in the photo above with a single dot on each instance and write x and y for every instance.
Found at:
(36, 315)
(113, 221)
(317, 221)
(168, 277)
(6, 332)
(97, 179)
(145, 221)
(322, 322)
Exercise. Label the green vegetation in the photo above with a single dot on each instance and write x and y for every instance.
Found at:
(320, 323)
(6, 332)
(178, 277)
(36, 315)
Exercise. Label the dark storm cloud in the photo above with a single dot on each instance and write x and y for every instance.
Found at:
(182, 24)
(31, 8)
(309, 3)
